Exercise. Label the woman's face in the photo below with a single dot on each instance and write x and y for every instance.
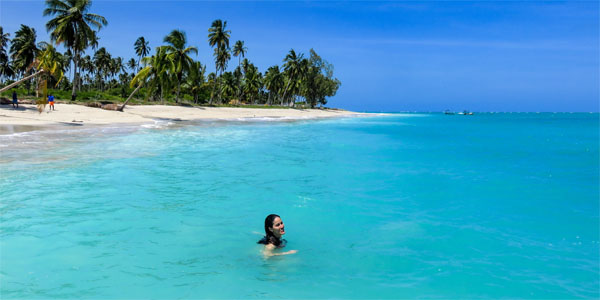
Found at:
(278, 228)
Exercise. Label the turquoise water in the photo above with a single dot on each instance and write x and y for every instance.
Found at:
(403, 206)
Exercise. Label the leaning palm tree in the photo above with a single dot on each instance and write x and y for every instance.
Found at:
(53, 63)
(142, 48)
(49, 61)
(178, 54)
(154, 74)
(72, 26)
(218, 37)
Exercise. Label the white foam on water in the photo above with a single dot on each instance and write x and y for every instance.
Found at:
(158, 124)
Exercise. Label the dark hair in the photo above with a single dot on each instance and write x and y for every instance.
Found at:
(269, 238)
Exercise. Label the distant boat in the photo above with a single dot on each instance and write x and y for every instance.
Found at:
(448, 112)
(466, 113)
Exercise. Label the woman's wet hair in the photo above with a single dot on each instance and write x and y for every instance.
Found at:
(269, 238)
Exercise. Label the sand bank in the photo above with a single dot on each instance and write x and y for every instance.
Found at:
(69, 114)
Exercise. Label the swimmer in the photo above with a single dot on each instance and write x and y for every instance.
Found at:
(272, 240)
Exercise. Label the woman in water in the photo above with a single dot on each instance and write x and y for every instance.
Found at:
(272, 240)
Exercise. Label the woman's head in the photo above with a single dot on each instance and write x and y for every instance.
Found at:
(274, 226)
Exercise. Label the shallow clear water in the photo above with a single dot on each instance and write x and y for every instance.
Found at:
(419, 205)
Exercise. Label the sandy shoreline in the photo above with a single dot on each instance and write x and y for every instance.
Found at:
(72, 114)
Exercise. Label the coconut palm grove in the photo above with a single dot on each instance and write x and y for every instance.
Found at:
(162, 74)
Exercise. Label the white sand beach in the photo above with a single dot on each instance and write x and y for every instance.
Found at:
(78, 114)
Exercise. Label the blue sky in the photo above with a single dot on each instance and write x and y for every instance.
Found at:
(391, 55)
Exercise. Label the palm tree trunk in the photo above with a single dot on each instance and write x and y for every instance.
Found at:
(239, 91)
(75, 76)
(37, 90)
(212, 94)
(8, 87)
(129, 98)
(178, 87)
(219, 90)
(286, 89)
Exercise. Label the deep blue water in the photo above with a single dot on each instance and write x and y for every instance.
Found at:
(403, 206)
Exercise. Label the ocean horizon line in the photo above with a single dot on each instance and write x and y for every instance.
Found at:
(474, 111)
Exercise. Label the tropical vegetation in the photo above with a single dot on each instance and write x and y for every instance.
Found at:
(168, 74)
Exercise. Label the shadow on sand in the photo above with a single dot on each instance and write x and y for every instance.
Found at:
(20, 108)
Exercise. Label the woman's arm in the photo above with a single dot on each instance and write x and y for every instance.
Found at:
(268, 251)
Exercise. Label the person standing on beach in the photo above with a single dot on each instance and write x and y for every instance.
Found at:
(51, 102)
(15, 100)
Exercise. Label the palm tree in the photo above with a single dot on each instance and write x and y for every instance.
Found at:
(154, 73)
(253, 80)
(6, 69)
(49, 61)
(228, 88)
(116, 66)
(142, 48)
(102, 63)
(67, 56)
(222, 56)
(4, 39)
(239, 51)
(219, 37)
(273, 81)
(132, 64)
(238, 77)
(23, 49)
(72, 25)
(87, 66)
(51, 64)
(178, 54)
(292, 68)
(211, 80)
(195, 79)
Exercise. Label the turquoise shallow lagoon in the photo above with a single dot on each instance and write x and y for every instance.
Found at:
(402, 206)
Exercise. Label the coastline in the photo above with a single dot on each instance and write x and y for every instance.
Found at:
(27, 115)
